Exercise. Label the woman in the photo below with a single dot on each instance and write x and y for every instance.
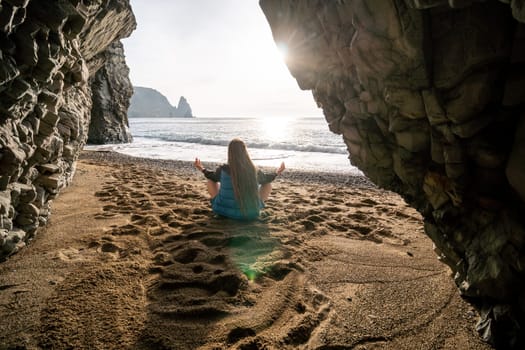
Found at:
(234, 187)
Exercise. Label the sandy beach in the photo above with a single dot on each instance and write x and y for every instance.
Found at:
(133, 258)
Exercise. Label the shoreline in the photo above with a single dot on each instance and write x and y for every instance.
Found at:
(133, 258)
(187, 168)
(313, 146)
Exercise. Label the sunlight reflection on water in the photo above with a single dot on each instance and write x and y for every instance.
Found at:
(274, 129)
(303, 143)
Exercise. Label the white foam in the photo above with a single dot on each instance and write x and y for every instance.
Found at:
(156, 149)
(304, 143)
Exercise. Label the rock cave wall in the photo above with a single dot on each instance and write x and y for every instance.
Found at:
(49, 52)
(111, 96)
(428, 96)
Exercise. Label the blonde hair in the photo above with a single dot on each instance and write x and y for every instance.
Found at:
(244, 176)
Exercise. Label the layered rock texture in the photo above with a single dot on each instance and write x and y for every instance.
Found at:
(429, 97)
(49, 52)
(148, 102)
(111, 93)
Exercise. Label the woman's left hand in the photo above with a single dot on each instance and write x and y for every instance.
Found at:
(281, 169)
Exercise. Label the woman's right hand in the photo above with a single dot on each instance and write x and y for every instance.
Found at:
(198, 164)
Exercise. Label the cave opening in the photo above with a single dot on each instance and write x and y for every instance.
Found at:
(428, 99)
(235, 83)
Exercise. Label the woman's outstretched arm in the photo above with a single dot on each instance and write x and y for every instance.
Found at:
(263, 178)
(214, 176)
(212, 184)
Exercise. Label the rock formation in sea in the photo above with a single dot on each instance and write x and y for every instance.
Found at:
(111, 93)
(183, 109)
(148, 102)
(49, 52)
(429, 98)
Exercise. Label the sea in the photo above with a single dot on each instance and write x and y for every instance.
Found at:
(302, 143)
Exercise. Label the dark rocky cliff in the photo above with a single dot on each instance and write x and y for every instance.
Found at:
(49, 51)
(428, 96)
(111, 93)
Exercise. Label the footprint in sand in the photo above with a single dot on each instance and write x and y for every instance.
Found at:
(91, 252)
(129, 229)
(104, 215)
(332, 209)
(361, 229)
(359, 216)
(145, 219)
(194, 281)
(369, 202)
(72, 254)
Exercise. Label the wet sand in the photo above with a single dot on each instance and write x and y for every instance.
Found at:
(133, 258)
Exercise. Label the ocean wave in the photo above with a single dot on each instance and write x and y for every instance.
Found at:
(255, 145)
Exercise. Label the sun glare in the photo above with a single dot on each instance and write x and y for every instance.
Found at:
(282, 49)
(275, 129)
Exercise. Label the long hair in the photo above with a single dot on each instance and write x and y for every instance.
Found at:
(244, 176)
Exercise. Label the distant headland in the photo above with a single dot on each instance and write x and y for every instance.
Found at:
(148, 102)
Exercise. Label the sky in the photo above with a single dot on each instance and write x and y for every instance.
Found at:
(219, 54)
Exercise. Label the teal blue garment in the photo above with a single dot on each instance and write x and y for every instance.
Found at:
(225, 204)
